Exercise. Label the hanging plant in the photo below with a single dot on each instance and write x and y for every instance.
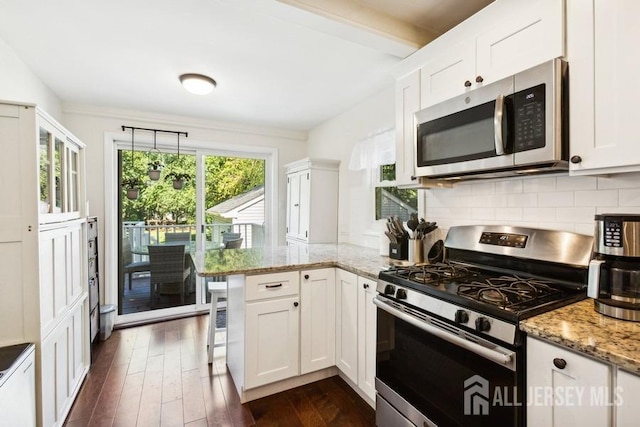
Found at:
(132, 186)
(178, 179)
(155, 169)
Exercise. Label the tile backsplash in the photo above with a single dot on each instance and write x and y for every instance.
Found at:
(557, 202)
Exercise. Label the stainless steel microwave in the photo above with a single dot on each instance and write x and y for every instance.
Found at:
(517, 125)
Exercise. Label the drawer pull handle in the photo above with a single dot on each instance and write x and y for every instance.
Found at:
(279, 285)
(559, 363)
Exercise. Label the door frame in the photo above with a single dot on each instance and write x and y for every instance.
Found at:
(113, 141)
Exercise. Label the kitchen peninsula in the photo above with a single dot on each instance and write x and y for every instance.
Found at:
(297, 314)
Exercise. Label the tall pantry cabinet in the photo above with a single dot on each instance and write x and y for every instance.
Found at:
(312, 201)
(43, 261)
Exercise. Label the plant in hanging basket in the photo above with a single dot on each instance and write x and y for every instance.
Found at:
(178, 179)
(132, 185)
(155, 169)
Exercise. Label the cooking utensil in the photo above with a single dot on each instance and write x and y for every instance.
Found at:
(412, 223)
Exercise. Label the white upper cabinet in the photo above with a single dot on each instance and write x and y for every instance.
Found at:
(601, 38)
(312, 201)
(504, 38)
(61, 158)
(407, 103)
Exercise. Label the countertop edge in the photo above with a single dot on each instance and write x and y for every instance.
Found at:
(594, 335)
(293, 267)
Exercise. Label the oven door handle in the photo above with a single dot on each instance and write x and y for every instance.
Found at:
(502, 358)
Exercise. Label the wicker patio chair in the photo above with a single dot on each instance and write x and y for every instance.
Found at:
(169, 271)
(128, 265)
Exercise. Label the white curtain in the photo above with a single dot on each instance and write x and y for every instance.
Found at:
(375, 150)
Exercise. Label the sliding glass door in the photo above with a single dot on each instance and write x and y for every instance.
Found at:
(199, 201)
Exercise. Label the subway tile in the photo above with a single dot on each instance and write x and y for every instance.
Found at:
(586, 228)
(511, 186)
(581, 214)
(597, 198)
(629, 197)
(509, 214)
(461, 189)
(483, 188)
(620, 209)
(538, 185)
(565, 183)
(539, 214)
(555, 199)
(524, 200)
(483, 213)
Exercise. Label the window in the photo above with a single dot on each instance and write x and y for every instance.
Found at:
(391, 200)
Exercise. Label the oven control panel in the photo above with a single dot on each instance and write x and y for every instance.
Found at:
(504, 239)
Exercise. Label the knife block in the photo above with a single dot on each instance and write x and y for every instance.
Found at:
(399, 250)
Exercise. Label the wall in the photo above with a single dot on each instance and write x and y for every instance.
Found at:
(19, 83)
(90, 125)
(551, 202)
(334, 139)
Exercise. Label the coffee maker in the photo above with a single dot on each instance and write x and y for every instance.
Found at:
(614, 272)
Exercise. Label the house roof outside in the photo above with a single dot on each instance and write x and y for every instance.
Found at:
(237, 201)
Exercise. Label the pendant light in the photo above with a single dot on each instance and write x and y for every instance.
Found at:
(155, 165)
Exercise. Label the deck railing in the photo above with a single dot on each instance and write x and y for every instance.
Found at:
(141, 234)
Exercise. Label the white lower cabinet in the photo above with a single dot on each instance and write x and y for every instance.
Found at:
(367, 314)
(356, 330)
(18, 395)
(581, 388)
(63, 364)
(626, 398)
(317, 319)
(272, 329)
(347, 324)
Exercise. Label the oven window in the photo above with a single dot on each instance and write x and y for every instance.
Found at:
(429, 373)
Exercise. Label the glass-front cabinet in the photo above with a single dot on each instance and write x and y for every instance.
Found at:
(60, 157)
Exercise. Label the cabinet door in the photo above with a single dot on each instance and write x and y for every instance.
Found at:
(601, 35)
(18, 395)
(532, 36)
(628, 391)
(579, 375)
(451, 72)
(55, 386)
(407, 103)
(305, 204)
(272, 345)
(347, 324)
(367, 336)
(317, 319)
(296, 194)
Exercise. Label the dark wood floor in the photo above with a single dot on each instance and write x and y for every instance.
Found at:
(157, 375)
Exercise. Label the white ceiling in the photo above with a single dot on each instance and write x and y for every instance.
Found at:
(287, 64)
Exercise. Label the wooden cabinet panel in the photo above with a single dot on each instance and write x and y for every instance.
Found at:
(317, 319)
(347, 324)
(627, 408)
(273, 285)
(445, 75)
(580, 373)
(407, 103)
(367, 315)
(272, 345)
(600, 36)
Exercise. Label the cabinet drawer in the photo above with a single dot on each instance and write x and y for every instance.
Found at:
(92, 250)
(272, 285)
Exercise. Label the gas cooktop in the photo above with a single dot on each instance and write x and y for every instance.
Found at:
(493, 277)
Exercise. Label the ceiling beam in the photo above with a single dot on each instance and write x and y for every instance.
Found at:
(351, 20)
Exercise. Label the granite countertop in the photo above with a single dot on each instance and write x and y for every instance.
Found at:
(579, 327)
(357, 259)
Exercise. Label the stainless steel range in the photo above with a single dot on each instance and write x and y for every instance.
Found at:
(447, 334)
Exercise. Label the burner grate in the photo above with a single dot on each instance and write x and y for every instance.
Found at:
(508, 292)
(434, 274)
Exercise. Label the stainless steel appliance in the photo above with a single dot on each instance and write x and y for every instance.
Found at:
(447, 333)
(614, 273)
(513, 126)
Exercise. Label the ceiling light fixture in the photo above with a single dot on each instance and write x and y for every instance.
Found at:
(197, 83)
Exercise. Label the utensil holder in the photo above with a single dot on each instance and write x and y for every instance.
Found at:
(416, 251)
(398, 250)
